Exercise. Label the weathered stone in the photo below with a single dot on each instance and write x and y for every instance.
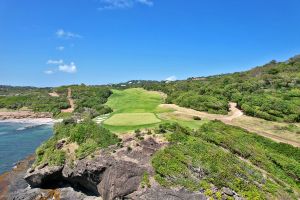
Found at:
(69, 193)
(60, 144)
(227, 191)
(44, 176)
(66, 193)
(120, 180)
(26, 194)
(236, 197)
(88, 173)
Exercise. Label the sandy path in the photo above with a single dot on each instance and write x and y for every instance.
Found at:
(71, 102)
(53, 94)
(233, 118)
(233, 114)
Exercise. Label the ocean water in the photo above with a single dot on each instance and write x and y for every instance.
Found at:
(19, 140)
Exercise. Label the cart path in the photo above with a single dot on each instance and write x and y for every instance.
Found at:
(229, 119)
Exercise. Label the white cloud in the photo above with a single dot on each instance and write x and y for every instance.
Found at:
(49, 72)
(60, 48)
(61, 33)
(122, 4)
(55, 62)
(71, 68)
(171, 78)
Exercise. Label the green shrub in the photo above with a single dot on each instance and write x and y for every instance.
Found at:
(145, 180)
(204, 150)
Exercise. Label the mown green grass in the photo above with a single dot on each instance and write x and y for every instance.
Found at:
(133, 109)
(132, 119)
(123, 129)
(135, 100)
(137, 108)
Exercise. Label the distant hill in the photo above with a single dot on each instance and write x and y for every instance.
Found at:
(270, 92)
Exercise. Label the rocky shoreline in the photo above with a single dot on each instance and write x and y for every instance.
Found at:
(115, 173)
(13, 180)
(24, 115)
(118, 172)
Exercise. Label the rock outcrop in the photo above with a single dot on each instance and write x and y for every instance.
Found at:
(111, 174)
(44, 177)
(114, 173)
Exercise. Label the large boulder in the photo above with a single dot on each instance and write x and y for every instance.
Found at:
(120, 180)
(43, 177)
(88, 173)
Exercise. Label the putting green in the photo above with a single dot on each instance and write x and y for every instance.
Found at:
(132, 119)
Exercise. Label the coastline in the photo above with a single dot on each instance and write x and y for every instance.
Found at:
(28, 122)
(37, 121)
(28, 117)
(12, 181)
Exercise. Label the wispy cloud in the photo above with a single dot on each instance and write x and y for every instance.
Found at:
(61, 33)
(49, 72)
(171, 78)
(60, 48)
(55, 62)
(122, 4)
(68, 68)
(60, 65)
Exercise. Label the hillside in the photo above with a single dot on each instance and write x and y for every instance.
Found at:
(232, 136)
(270, 92)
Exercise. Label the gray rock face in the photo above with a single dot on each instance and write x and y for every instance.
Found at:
(120, 180)
(88, 173)
(26, 194)
(227, 191)
(44, 176)
(69, 193)
(66, 193)
(109, 174)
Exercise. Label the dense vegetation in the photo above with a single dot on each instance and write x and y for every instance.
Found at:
(212, 155)
(34, 99)
(271, 92)
(87, 135)
(89, 98)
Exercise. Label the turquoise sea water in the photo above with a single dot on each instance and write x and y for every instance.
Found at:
(19, 140)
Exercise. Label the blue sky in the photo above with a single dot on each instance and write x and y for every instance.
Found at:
(57, 42)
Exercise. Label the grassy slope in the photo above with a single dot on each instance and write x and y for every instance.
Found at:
(132, 119)
(215, 151)
(133, 108)
(137, 108)
(134, 100)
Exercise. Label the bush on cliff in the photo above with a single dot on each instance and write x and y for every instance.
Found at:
(87, 134)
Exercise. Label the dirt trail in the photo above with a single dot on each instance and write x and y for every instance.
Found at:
(233, 114)
(233, 118)
(71, 102)
(53, 94)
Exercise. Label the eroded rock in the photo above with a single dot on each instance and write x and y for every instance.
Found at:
(120, 180)
(44, 176)
(88, 173)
